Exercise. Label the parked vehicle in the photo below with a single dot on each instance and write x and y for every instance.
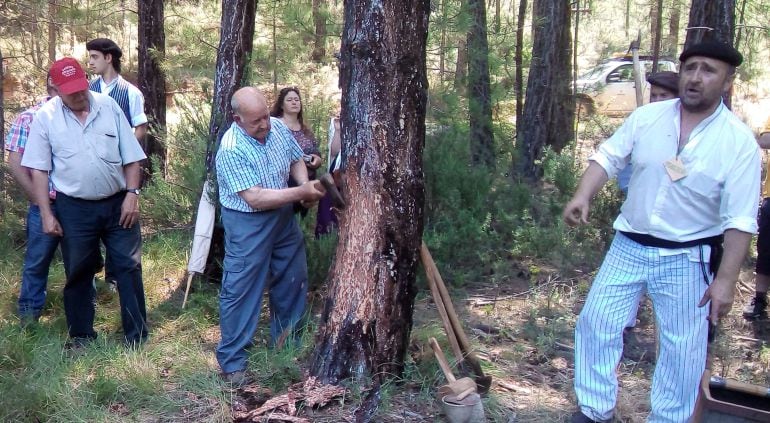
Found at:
(609, 88)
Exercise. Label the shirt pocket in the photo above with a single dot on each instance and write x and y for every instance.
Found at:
(63, 146)
(701, 184)
(104, 140)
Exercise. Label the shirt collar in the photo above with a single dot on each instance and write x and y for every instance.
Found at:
(242, 134)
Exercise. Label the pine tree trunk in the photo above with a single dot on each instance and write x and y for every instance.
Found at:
(461, 67)
(520, 20)
(657, 34)
(718, 15)
(442, 43)
(549, 110)
(319, 37)
(741, 21)
(2, 127)
(53, 35)
(152, 81)
(672, 41)
(236, 39)
(482, 141)
(367, 316)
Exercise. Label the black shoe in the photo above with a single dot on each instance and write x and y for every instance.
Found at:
(579, 417)
(237, 379)
(756, 309)
(77, 346)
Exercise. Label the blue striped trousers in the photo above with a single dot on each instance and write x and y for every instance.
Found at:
(675, 286)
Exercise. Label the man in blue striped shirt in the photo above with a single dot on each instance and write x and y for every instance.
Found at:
(264, 246)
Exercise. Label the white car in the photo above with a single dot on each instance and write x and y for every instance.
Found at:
(609, 88)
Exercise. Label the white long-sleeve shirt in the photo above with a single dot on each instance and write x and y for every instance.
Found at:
(720, 191)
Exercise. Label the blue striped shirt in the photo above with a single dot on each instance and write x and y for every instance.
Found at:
(243, 162)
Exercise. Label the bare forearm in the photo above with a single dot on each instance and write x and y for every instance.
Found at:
(133, 174)
(298, 172)
(21, 174)
(40, 191)
(140, 132)
(736, 246)
(268, 199)
(591, 182)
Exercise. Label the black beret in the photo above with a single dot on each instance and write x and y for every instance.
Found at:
(715, 50)
(666, 79)
(105, 46)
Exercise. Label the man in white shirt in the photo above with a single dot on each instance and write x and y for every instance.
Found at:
(695, 181)
(83, 139)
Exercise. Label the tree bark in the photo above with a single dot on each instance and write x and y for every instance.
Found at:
(152, 80)
(442, 43)
(549, 110)
(520, 19)
(656, 34)
(482, 140)
(672, 41)
(52, 31)
(717, 15)
(319, 37)
(2, 127)
(461, 67)
(236, 39)
(367, 316)
(742, 21)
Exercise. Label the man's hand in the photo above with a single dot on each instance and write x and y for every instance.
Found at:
(576, 212)
(51, 226)
(312, 191)
(129, 211)
(722, 294)
(315, 162)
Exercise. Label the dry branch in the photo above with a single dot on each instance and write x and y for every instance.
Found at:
(284, 407)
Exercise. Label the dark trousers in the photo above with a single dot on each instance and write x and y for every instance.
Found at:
(85, 223)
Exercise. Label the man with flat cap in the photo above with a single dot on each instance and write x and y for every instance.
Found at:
(104, 61)
(663, 86)
(694, 189)
(84, 140)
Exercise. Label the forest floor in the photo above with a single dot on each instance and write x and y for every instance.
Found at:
(523, 332)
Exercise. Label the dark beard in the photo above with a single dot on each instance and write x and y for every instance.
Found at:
(699, 106)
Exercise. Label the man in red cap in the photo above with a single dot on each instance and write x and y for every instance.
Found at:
(84, 140)
(694, 189)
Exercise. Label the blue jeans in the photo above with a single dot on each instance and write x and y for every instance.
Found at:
(262, 250)
(85, 223)
(37, 260)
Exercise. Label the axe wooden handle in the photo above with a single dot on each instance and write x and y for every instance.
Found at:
(462, 339)
(441, 360)
(430, 274)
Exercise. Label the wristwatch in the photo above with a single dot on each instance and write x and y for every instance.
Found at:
(136, 191)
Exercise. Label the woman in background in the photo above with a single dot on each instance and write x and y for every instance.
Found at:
(326, 220)
(288, 109)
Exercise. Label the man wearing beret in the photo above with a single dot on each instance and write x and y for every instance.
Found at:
(84, 140)
(694, 189)
(663, 86)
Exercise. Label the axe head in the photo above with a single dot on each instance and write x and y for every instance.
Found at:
(328, 182)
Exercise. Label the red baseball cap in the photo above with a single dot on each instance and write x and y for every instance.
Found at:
(68, 76)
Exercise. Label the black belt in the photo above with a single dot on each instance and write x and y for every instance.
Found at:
(651, 241)
(715, 242)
